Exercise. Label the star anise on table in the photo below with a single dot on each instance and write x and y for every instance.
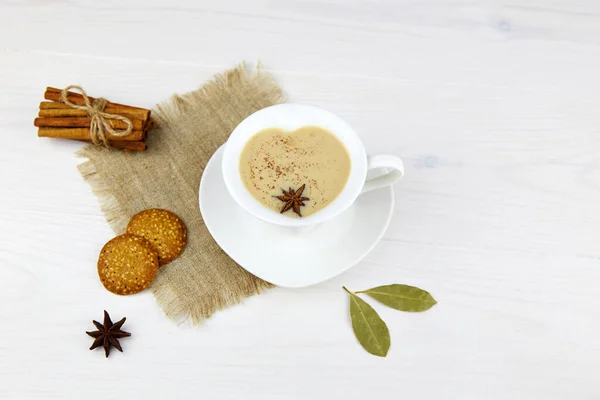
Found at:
(108, 334)
(293, 200)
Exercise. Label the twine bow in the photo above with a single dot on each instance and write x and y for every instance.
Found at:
(100, 124)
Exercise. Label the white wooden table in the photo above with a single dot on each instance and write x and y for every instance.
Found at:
(494, 106)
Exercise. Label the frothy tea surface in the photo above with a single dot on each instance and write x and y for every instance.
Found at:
(275, 160)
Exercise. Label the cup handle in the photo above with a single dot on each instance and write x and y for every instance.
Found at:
(383, 161)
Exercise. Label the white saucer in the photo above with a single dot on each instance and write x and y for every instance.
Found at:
(292, 257)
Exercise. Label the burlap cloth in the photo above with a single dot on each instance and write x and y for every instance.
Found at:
(189, 129)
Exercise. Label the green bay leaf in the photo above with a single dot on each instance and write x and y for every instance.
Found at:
(402, 297)
(369, 328)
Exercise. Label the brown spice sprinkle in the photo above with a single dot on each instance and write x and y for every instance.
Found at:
(165, 231)
(127, 264)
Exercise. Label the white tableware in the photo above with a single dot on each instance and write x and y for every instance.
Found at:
(292, 257)
(291, 117)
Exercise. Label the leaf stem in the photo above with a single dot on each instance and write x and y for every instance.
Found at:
(349, 292)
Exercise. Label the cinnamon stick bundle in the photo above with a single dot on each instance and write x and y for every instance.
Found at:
(59, 120)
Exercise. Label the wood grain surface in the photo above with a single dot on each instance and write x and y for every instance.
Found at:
(494, 107)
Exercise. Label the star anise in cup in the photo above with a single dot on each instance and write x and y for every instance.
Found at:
(108, 335)
(293, 200)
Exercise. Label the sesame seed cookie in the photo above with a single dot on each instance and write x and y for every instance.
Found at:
(127, 264)
(165, 231)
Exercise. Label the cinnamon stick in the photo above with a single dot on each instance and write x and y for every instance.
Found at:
(71, 112)
(84, 134)
(61, 113)
(113, 108)
(134, 146)
(51, 109)
(79, 122)
(48, 105)
(119, 144)
(79, 96)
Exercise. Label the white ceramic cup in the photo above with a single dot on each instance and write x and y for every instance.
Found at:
(291, 117)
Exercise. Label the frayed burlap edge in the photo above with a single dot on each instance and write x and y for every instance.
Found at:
(118, 220)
